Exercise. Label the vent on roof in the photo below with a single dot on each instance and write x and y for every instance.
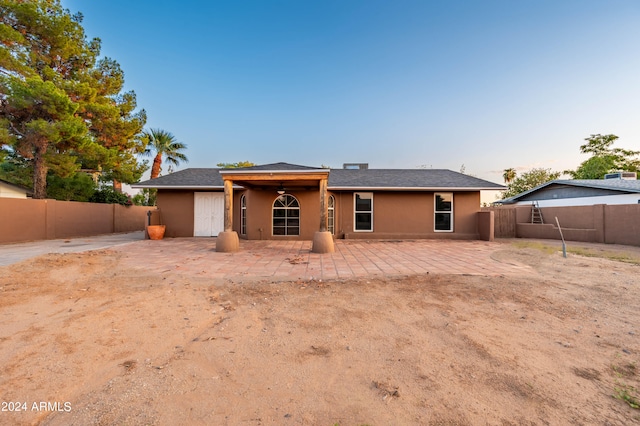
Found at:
(355, 166)
(621, 175)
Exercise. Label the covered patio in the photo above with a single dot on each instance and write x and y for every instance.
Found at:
(278, 181)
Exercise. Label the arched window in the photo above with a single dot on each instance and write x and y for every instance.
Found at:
(286, 215)
(243, 215)
(331, 214)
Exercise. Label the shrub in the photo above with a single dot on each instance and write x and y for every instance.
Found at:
(109, 196)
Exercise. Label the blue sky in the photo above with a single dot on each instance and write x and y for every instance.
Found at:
(397, 84)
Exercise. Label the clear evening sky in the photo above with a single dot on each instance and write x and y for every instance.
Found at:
(397, 84)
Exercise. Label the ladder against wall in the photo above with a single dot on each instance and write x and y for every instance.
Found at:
(536, 213)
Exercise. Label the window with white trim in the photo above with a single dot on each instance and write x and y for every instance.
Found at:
(286, 215)
(243, 215)
(331, 214)
(363, 211)
(443, 217)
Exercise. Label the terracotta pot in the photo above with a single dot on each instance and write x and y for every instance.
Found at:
(156, 232)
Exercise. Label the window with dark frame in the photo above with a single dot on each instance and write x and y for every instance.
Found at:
(331, 216)
(243, 215)
(286, 215)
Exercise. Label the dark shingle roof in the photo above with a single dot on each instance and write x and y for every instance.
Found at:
(406, 179)
(187, 178)
(389, 179)
(613, 184)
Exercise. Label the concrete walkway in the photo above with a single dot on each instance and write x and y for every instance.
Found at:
(293, 260)
(17, 252)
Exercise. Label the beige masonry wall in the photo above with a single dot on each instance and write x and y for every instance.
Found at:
(408, 215)
(32, 220)
(175, 210)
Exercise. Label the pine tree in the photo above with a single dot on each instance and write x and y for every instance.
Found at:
(61, 107)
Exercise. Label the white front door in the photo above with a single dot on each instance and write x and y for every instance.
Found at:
(208, 214)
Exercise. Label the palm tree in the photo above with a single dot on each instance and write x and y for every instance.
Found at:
(509, 175)
(164, 144)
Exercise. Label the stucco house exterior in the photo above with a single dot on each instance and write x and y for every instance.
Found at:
(10, 190)
(292, 202)
(580, 192)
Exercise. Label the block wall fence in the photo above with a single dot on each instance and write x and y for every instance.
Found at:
(32, 220)
(600, 223)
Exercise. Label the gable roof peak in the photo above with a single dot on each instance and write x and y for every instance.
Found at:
(278, 166)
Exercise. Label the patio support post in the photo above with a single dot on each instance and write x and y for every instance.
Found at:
(323, 205)
(228, 240)
(323, 240)
(228, 205)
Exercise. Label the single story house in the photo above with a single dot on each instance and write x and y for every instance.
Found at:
(580, 192)
(10, 190)
(292, 202)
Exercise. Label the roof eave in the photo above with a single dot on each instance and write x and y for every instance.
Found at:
(411, 188)
(176, 186)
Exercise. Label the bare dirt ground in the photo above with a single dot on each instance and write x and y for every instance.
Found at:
(99, 344)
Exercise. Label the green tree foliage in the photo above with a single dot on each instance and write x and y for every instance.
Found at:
(79, 187)
(61, 107)
(146, 197)
(110, 196)
(163, 146)
(16, 170)
(529, 180)
(604, 159)
(114, 124)
(43, 126)
(509, 175)
(237, 165)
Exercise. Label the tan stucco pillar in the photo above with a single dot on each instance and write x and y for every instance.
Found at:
(228, 240)
(323, 240)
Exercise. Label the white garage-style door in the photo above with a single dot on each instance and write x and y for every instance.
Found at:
(208, 214)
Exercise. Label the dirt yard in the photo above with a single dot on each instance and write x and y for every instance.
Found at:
(86, 341)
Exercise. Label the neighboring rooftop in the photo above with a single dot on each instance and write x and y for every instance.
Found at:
(17, 187)
(611, 186)
(355, 166)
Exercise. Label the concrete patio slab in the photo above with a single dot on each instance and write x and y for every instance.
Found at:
(293, 260)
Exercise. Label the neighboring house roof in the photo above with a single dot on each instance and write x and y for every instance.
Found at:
(17, 187)
(599, 187)
(339, 179)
